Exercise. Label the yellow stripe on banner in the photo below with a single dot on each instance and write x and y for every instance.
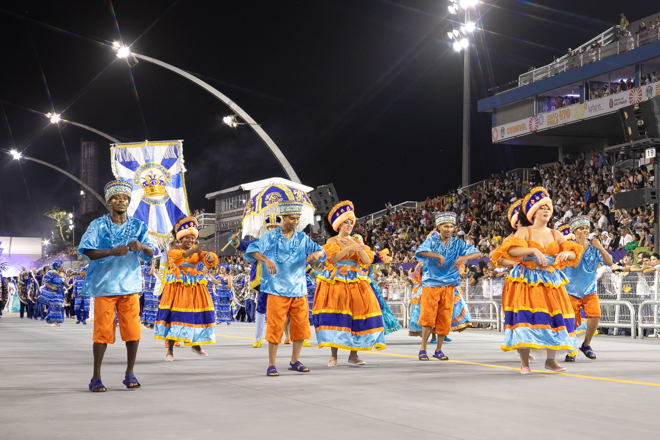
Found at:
(501, 367)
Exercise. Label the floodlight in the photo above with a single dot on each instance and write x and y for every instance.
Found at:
(123, 52)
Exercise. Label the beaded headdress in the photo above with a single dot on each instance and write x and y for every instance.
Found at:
(566, 231)
(536, 198)
(290, 208)
(272, 220)
(341, 212)
(579, 221)
(513, 212)
(186, 226)
(117, 187)
(445, 217)
(83, 269)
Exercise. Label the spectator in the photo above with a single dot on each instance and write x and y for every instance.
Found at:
(623, 23)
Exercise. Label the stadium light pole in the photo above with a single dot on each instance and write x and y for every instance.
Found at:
(18, 156)
(124, 52)
(461, 42)
(56, 118)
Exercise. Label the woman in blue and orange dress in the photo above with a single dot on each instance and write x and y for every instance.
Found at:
(53, 293)
(186, 311)
(346, 312)
(537, 311)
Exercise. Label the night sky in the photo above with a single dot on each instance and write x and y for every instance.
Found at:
(365, 94)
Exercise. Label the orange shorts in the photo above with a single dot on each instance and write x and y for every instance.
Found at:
(276, 312)
(436, 306)
(128, 312)
(589, 304)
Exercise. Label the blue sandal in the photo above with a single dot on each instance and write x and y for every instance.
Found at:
(588, 352)
(569, 358)
(270, 370)
(130, 380)
(439, 355)
(299, 367)
(95, 385)
(422, 355)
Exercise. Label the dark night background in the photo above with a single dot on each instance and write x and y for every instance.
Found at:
(364, 94)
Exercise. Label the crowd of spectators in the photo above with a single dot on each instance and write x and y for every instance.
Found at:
(579, 186)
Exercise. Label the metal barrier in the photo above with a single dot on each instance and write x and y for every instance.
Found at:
(397, 297)
(641, 316)
(607, 306)
(484, 301)
(401, 311)
(589, 55)
(479, 314)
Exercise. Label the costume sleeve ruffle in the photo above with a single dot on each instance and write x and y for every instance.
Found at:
(382, 257)
(502, 252)
(204, 255)
(175, 257)
(331, 249)
(570, 246)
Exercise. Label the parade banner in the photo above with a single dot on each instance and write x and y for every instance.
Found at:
(156, 171)
(574, 113)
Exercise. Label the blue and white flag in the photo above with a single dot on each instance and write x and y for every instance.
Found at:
(155, 169)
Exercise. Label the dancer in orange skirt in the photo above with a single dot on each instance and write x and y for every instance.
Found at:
(537, 310)
(185, 311)
(346, 313)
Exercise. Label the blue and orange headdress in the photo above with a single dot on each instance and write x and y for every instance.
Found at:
(445, 217)
(566, 232)
(341, 212)
(536, 198)
(579, 221)
(186, 226)
(513, 212)
(290, 208)
(272, 220)
(117, 187)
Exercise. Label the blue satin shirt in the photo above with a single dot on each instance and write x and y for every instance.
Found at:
(291, 261)
(582, 279)
(445, 275)
(113, 276)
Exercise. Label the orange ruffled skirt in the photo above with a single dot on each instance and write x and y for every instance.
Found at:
(347, 315)
(186, 314)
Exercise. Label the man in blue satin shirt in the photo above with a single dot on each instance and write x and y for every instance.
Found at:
(114, 243)
(286, 252)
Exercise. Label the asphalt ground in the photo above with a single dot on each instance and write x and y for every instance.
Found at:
(477, 394)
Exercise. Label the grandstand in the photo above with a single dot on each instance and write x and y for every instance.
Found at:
(577, 102)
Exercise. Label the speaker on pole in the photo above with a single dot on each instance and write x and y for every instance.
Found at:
(324, 198)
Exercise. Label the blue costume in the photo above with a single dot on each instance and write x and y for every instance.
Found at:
(53, 294)
(150, 300)
(82, 302)
(103, 274)
(290, 256)
(222, 299)
(390, 322)
(583, 281)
